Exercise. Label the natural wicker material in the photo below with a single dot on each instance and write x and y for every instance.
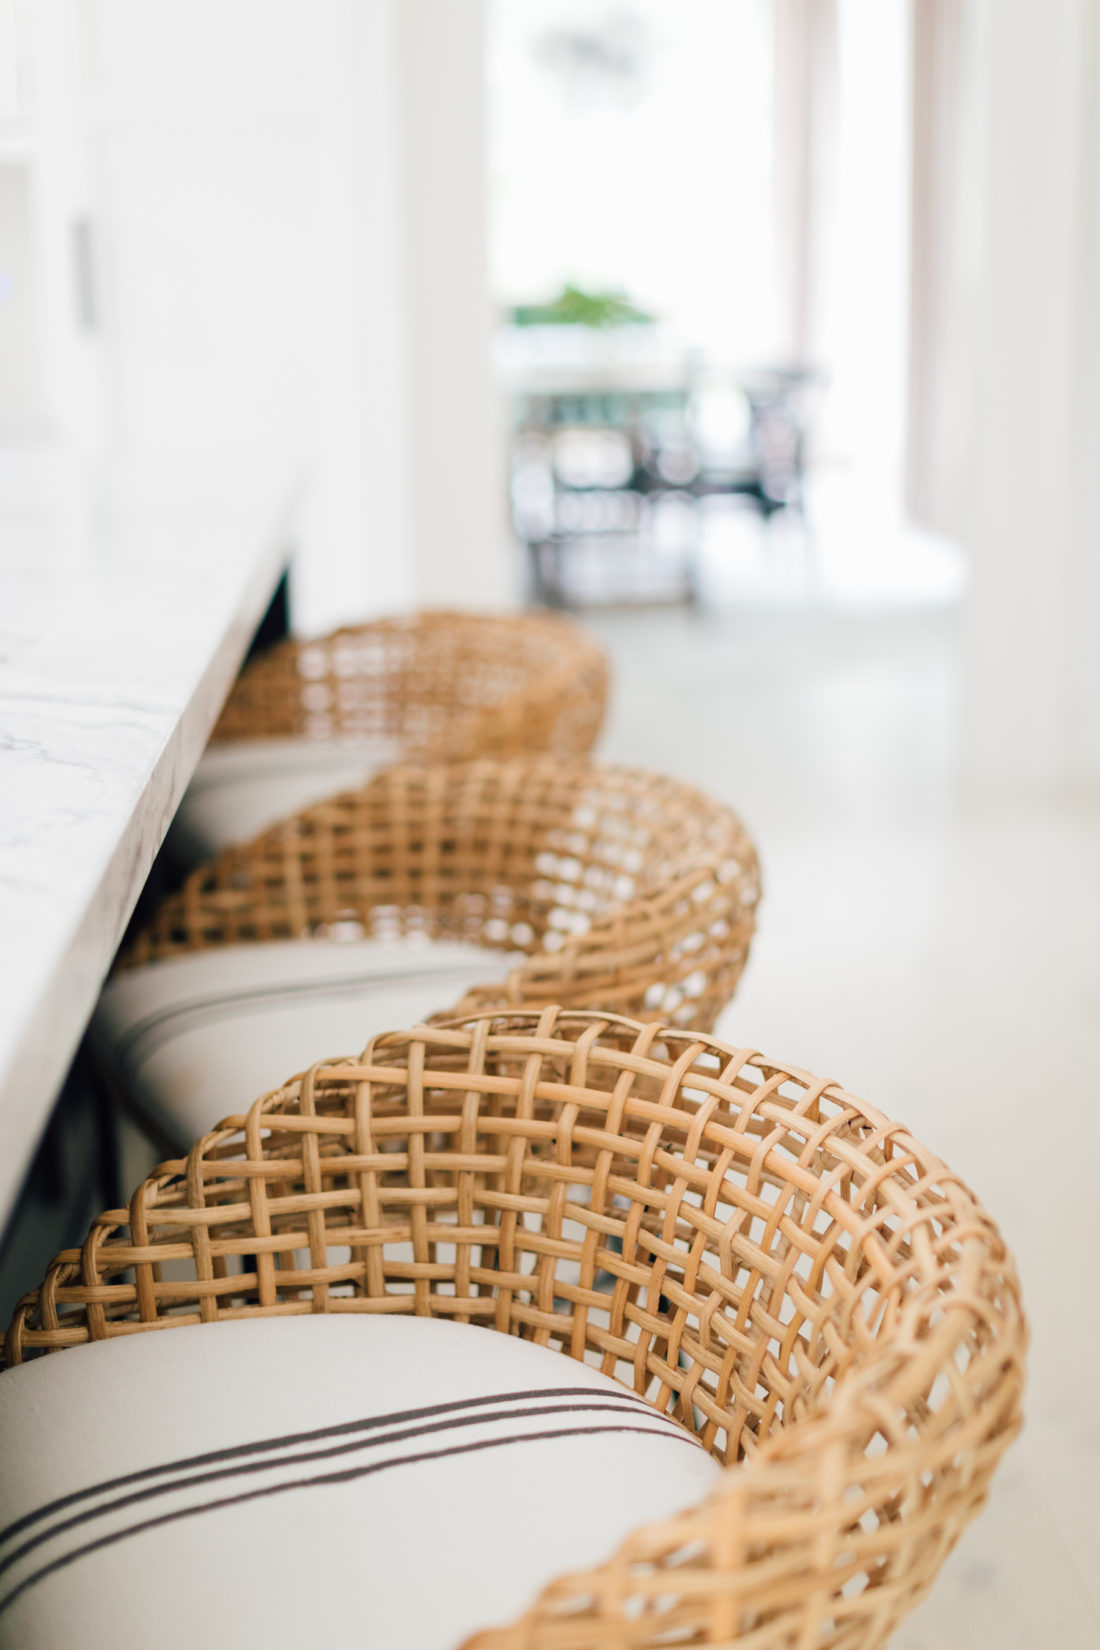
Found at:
(792, 1274)
(625, 889)
(432, 686)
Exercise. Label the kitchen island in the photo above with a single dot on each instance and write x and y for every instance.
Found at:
(128, 599)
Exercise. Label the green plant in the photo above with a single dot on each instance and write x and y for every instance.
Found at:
(575, 307)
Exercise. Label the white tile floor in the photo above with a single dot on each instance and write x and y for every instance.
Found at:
(940, 957)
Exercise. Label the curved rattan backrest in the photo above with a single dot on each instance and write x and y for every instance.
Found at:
(625, 889)
(433, 686)
(756, 1251)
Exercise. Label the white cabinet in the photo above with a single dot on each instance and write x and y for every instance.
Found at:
(51, 383)
(258, 231)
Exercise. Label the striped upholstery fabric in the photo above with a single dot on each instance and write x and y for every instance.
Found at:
(241, 788)
(321, 1480)
(195, 1038)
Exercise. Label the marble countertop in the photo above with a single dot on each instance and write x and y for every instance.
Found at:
(128, 597)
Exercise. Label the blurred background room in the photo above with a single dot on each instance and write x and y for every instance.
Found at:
(762, 337)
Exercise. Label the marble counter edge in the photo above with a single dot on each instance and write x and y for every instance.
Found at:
(35, 1070)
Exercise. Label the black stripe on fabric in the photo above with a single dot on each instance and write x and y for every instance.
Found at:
(608, 1404)
(346, 1476)
(289, 1440)
(199, 1011)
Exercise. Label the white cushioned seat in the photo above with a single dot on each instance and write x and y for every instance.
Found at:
(337, 1481)
(242, 786)
(199, 1037)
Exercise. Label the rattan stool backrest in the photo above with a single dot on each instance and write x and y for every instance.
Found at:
(625, 889)
(754, 1250)
(434, 686)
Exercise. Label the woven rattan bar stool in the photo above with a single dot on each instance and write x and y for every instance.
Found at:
(308, 718)
(530, 881)
(795, 1279)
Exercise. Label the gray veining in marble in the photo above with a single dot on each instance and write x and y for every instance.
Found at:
(127, 601)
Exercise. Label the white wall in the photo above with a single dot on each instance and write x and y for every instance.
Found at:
(360, 560)
(1034, 619)
(461, 545)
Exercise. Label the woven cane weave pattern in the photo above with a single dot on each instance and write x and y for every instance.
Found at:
(627, 890)
(436, 686)
(750, 1248)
